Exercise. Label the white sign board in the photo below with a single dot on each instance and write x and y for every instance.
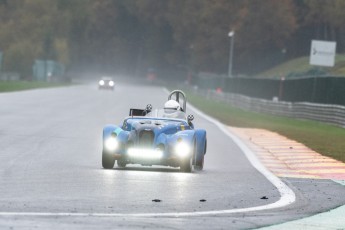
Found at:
(322, 53)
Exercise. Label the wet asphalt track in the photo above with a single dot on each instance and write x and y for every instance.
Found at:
(51, 174)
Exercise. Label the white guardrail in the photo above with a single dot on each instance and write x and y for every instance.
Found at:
(334, 114)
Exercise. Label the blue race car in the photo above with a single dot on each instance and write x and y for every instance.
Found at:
(156, 137)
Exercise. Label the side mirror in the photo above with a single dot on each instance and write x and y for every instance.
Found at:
(190, 118)
(149, 107)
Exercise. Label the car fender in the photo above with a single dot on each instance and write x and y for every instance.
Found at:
(201, 145)
(186, 136)
(121, 134)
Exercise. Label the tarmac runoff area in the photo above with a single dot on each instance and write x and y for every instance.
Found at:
(288, 158)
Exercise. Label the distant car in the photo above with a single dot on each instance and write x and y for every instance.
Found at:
(106, 83)
(156, 137)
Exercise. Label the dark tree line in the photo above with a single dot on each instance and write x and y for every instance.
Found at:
(130, 36)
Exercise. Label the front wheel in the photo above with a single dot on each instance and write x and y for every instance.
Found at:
(108, 160)
(199, 164)
(199, 161)
(121, 163)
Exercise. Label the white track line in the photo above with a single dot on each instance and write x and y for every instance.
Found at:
(287, 196)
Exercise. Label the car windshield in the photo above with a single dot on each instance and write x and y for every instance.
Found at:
(167, 113)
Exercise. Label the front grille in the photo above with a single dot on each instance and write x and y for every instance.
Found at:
(146, 138)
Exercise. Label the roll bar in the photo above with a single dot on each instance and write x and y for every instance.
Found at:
(179, 95)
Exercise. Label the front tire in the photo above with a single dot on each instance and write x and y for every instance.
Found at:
(108, 160)
(121, 163)
(199, 164)
(199, 161)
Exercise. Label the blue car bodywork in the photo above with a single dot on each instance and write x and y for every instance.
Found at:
(155, 137)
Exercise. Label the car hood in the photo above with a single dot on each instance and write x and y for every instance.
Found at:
(157, 126)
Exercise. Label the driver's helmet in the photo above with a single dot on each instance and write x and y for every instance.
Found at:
(172, 109)
(172, 105)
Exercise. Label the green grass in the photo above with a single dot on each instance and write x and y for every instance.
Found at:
(301, 65)
(325, 139)
(8, 86)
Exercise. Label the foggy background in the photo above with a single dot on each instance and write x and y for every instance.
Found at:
(170, 38)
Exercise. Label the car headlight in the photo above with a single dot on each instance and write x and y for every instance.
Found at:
(101, 82)
(111, 144)
(111, 83)
(182, 149)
